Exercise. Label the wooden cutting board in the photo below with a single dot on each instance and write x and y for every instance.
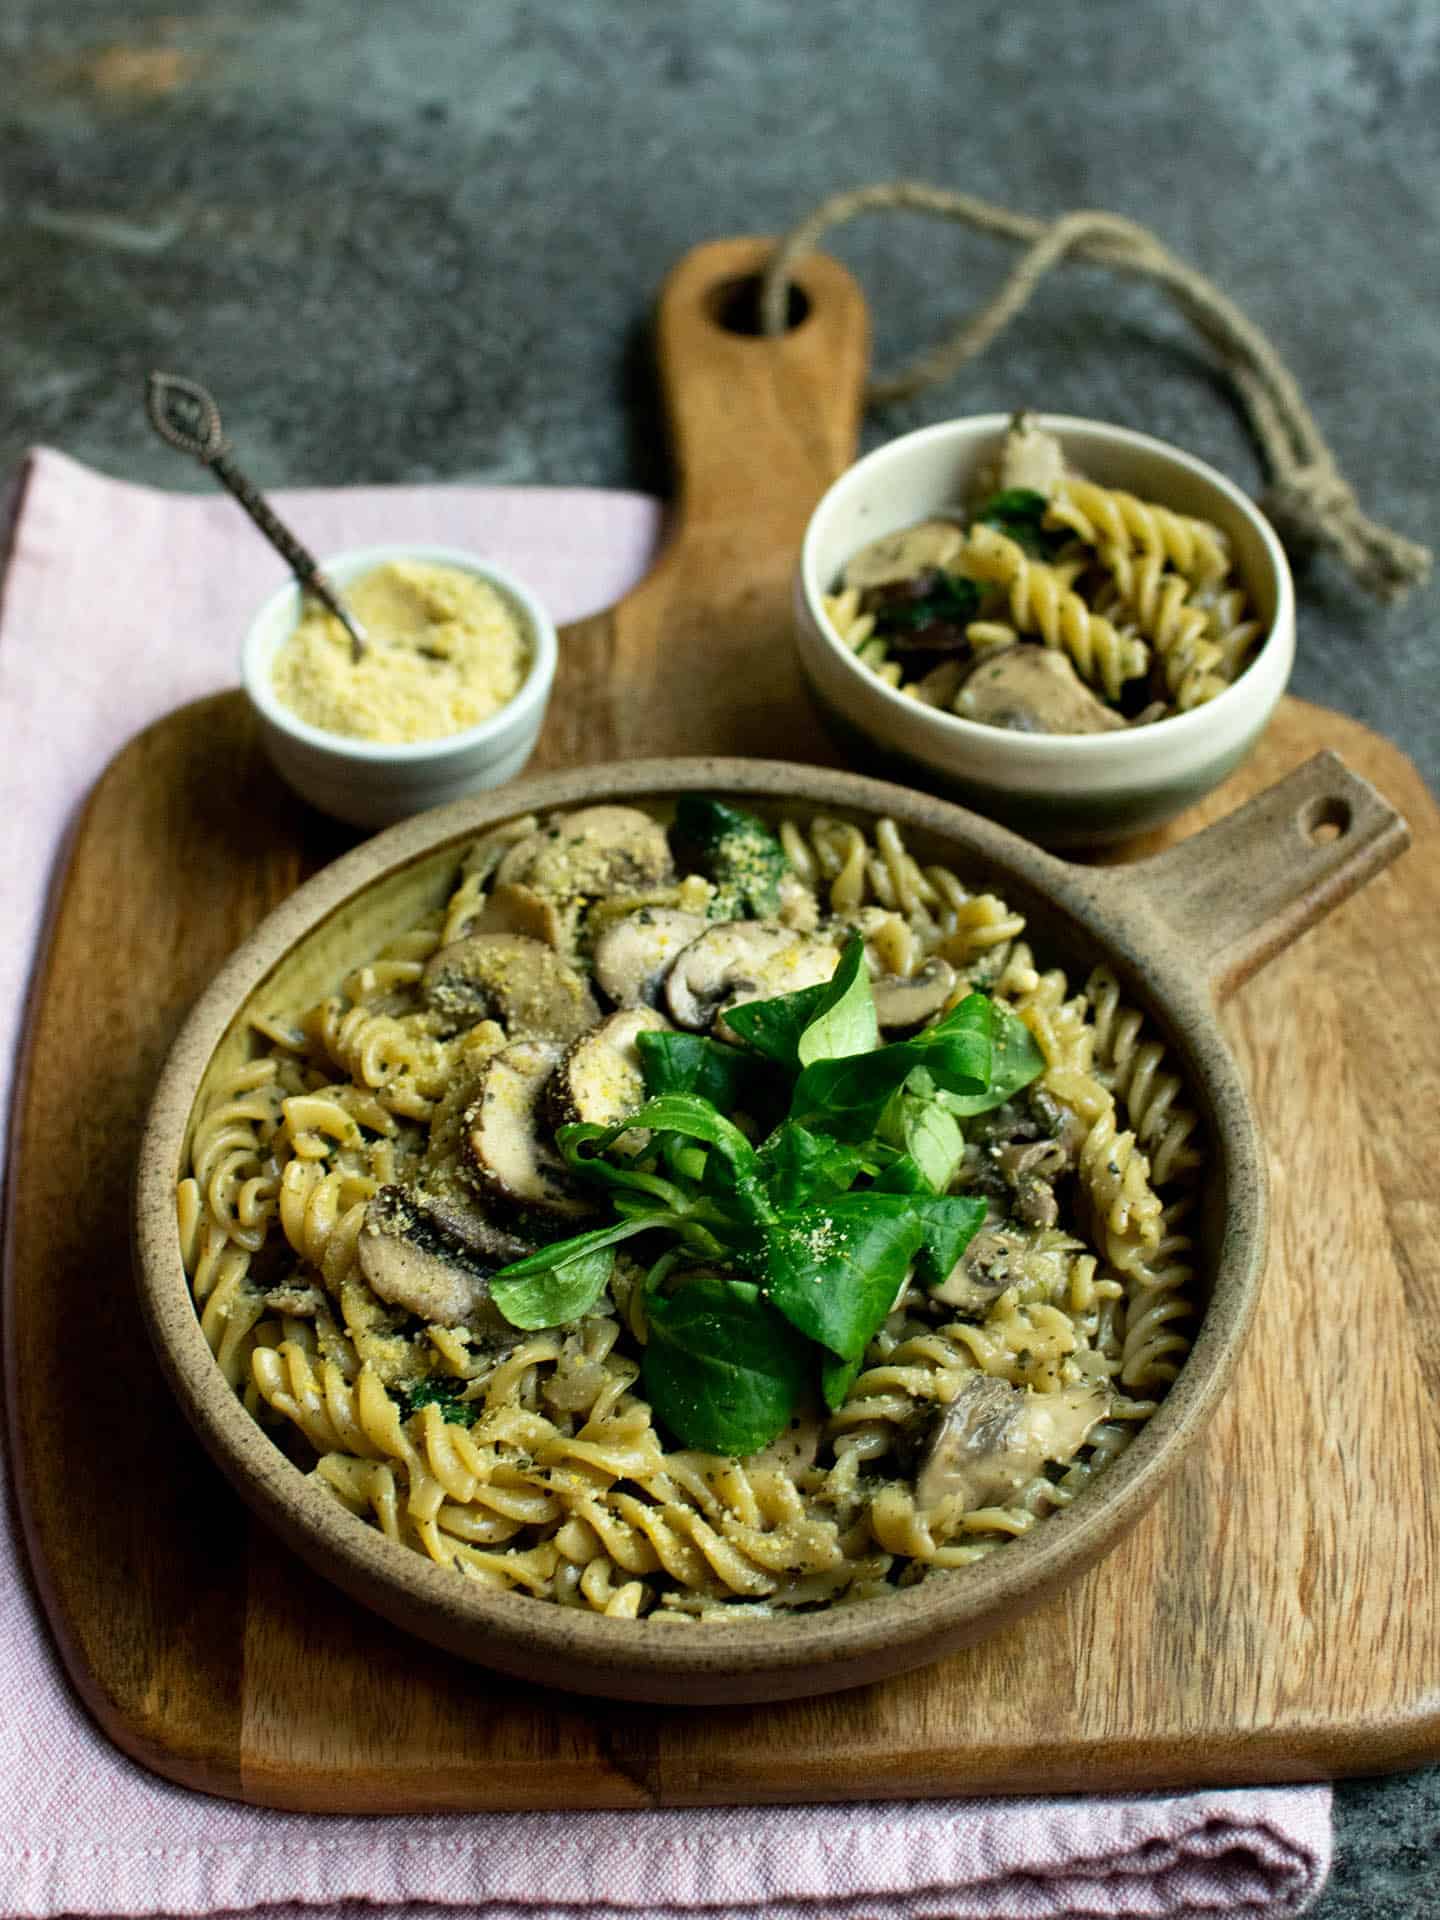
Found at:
(1272, 1618)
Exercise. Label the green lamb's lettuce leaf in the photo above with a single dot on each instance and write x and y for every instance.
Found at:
(799, 1167)
(1015, 1061)
(844, 1021)
(554, 1295)
(694, 1063)
(848, 1097)
(722, 1370)
(948, 1223)
(931, 1134)
(835, 1269)
(1019, 513)
(560, 1251)
(822, 1022)
(837, 1377)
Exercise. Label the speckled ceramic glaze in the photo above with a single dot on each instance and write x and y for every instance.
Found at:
(1179, 930)
(1064, 789)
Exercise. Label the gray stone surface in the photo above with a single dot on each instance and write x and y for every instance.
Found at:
(418, 242)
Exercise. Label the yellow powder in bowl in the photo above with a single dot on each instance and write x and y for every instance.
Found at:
(446, 650)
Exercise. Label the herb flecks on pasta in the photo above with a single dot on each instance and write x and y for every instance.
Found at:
(1053, 606)
(699, 1219)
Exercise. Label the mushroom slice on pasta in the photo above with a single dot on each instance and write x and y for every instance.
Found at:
(503, 1137)
(434, 1260)
(992, 1439)
(633, 956)
(509, 977)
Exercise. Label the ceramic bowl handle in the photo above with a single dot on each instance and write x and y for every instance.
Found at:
(1239, 892)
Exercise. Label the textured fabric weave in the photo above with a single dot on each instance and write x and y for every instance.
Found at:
(119, 603)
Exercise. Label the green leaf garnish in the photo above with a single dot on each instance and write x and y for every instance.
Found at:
(438, 1391)
(954, 601)
(930, 1132)
(1015, 1060)
(694, 1063)
(722, 1370)
(1019, 513)
(814, 1230)
(556, 1294)
(822, 1022)
(835, 1270)
(799, 1167)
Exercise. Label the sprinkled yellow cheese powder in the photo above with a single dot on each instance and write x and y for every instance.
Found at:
(445, 651)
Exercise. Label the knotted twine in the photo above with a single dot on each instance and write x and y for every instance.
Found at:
(1308, 497)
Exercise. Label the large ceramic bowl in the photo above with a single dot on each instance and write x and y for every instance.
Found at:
(1064, 789)
(1177, 929)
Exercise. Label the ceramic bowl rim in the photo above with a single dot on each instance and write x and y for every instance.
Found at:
(893, 1631)
(347, 564)
(1177, 727)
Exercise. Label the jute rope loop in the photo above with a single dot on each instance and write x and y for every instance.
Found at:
(1308, 498)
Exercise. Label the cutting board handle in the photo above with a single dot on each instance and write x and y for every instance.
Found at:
(759, 426)
(1240, 891)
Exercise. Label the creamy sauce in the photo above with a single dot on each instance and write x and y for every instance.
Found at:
(446, 650)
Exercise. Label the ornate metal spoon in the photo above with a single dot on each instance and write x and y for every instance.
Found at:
(185, 416)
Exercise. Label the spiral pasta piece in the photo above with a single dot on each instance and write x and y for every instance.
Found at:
(1135, 1070)
(1041, 602)
(1191, 661)
(1125, 525)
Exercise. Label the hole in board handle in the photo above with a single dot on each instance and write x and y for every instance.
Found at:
(735, 306)
(1325, 820)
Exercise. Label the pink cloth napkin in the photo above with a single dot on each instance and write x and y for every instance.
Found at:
(119, 603)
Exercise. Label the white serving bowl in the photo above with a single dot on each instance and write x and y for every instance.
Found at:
(1065, 789)
(372, 783)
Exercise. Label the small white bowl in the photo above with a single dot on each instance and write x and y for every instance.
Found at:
(371, 783)
(1064, 789)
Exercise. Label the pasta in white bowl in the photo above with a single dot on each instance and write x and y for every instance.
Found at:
(1073, 627)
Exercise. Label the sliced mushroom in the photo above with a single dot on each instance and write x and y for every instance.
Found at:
(510, 978)
(1056, 1121)
(904, 1001)
(598, 850)
(798, 906)
(600, 1078)
(1031, 458)
(503, 1138)
(1030, 1168)
(1033, 689)
(939, 687)
(633, 956)
(992, 1439)
(296, 1300)
(742, 960)
(895, 556)
(992, 1261)
(433, 1260)
(515, 909)
(912, 615)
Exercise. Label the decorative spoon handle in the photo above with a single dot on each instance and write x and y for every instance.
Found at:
(185, 416)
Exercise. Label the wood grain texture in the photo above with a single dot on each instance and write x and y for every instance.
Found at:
(1271, 1617)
